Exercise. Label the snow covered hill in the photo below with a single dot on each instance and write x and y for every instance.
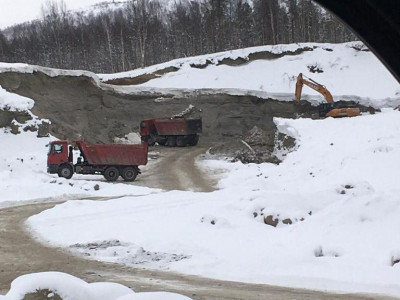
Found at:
(349, 71)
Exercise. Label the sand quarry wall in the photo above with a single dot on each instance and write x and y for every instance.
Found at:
(79, 108)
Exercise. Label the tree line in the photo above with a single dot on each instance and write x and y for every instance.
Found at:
(144, 32)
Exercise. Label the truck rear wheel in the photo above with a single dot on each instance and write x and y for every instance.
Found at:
(162, 141)
(181, 141)
(194, 140)
(111, 174)
(65, 171)
(129, 173)
(171, 141)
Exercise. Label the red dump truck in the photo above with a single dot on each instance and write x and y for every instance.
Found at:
(176, 131)
(111, 161)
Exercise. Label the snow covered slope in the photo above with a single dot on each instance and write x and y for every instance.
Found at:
(347, 69)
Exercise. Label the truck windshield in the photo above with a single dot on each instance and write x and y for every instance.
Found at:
(57, 148)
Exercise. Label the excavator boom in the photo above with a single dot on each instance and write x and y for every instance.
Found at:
(314, 85)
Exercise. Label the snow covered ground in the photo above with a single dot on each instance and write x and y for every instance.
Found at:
(345, 71)
(338, 190)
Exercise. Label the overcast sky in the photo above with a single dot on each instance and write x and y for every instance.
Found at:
(18, 11)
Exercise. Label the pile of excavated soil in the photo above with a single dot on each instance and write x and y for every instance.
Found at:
(79, 109)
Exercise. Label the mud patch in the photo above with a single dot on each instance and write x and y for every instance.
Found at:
(127, 254)
(141, 78)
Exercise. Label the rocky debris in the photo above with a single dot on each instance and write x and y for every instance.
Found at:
(43, 129)
(23, 120)
(359, 46)
(7, 117)
(42, 294)
(271, 220)
(316, 68)
(98, 245)
(257, 137)
(209, 220)
(191, 112)
(344, 188)
(395, 260)
(255, 146)
(275, 219)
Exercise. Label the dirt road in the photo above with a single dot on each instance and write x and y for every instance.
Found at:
(176, 169)
(19, 254)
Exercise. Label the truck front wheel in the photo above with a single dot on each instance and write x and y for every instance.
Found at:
(111, 174)
(129, 173)
(65, 171)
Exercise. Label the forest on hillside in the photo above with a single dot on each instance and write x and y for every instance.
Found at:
(139, 33)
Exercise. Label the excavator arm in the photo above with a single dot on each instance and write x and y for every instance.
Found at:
(314, 85)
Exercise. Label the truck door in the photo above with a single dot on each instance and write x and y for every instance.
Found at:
(58, 154)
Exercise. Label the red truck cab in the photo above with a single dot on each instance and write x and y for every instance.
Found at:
(59, 153)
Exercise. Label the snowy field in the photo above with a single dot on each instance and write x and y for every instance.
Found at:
(334, 199)
(339, 189)
(345, 71)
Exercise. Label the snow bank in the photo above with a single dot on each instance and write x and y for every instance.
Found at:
(13, 102)
(51, 72)
(69, 287)
(335, 202)
(346, 71)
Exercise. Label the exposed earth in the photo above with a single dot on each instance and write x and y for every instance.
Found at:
(80, 108)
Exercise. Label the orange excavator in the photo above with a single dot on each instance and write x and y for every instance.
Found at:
(331, 108)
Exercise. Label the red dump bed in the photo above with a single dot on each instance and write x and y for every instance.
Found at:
(124, 155)
(177, 126)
